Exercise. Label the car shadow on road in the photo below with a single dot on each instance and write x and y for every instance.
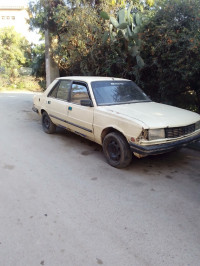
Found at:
(71, 139)
(168, 162)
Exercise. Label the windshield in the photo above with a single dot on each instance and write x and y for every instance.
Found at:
(117, 92)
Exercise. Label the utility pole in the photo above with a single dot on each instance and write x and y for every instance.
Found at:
(52, 70)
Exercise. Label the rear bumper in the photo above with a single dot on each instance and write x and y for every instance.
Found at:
(35, 109)
(162, 148)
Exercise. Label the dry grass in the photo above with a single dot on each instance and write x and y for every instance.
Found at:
(23, 83)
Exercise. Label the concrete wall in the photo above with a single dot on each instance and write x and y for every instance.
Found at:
(17, 19)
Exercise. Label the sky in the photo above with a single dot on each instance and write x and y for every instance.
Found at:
(14, 2)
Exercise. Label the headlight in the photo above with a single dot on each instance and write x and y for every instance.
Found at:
(197, 125)
(156, 134)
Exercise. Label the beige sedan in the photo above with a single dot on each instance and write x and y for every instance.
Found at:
(118, 115)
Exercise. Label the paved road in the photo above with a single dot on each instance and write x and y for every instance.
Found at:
(62, 204)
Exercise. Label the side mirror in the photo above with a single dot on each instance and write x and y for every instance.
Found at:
(86, 103)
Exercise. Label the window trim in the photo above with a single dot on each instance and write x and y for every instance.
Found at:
(70, 90)
(48, 95)
(57, 85)
(80, 83)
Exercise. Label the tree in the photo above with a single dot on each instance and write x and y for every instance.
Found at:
(89, 45)
(38, 60)
(79, 31)
(171, 50)
(41, 16)
(78, 36)
(12, 51)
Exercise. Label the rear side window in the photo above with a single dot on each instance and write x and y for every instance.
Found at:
(53, 92)
(61, 91)
(79, 92)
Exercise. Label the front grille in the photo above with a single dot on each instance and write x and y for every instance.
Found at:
(175, 132)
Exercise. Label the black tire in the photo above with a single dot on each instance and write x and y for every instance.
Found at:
(117, 150)
(48, 126)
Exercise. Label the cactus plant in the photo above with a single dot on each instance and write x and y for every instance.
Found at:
(127, 26)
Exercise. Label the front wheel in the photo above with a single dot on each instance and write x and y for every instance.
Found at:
(48, 126)
(117, 150)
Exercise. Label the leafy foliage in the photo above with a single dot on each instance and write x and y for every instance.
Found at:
(172, 54)
(85, 39)
(124, 30)
(99, 37)
(38, 60)
(41, 14)
(77, 37)
(13, 49)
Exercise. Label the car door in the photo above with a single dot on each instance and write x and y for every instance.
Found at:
(57, 103)
(80, 117)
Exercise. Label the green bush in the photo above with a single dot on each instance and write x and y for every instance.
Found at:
(171, 50)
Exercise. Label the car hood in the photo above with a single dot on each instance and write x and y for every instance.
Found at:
(155, 115)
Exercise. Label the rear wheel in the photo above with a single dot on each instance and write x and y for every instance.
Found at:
(117, 150)
(48, 126)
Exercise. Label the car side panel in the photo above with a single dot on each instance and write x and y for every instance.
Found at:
(80, 120)
(103, 120)
(58, 111)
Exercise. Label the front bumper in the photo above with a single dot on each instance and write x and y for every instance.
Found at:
(162, 148)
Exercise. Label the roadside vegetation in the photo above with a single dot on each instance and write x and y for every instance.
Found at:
(21, 83)
(16, 62)
(155, 43)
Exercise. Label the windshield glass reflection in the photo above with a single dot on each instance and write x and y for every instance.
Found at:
(117, 92)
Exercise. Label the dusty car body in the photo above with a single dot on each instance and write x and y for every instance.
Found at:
(116, 114)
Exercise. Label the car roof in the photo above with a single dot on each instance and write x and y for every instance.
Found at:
(90, 78)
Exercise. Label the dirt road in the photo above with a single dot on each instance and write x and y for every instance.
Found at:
(62, 204)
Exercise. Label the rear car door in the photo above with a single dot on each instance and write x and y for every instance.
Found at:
(57, 103)
(80, 117)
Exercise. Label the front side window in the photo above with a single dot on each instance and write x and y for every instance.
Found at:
(117, 92)
(79, 92)
(61, 91)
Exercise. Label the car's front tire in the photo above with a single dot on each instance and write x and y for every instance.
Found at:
(117, 150)
(48, 126)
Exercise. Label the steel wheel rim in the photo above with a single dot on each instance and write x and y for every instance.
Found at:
(46, 122)
(114, 150)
